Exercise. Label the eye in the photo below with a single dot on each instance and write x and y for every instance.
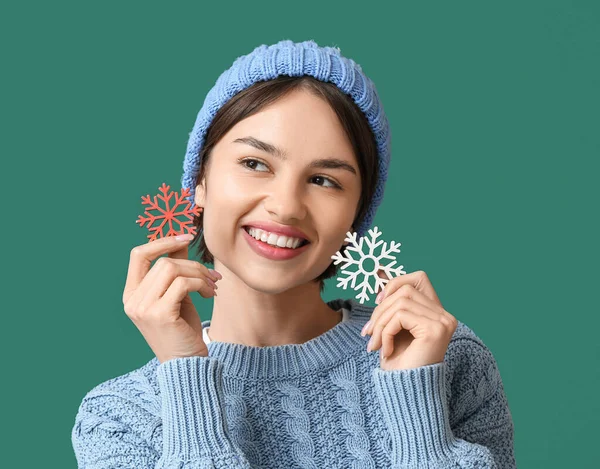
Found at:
(251, 160)
(251, 163)
(334, 185)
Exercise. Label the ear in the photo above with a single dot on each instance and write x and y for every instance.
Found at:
(200, 194)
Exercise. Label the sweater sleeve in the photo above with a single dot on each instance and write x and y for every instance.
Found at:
(113, 429)
(476, 431)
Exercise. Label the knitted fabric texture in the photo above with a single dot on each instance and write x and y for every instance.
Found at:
(293, 59)
(325, 403)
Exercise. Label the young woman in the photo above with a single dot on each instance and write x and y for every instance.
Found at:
(289, 152)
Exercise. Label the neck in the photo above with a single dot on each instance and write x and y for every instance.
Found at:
(245, 316)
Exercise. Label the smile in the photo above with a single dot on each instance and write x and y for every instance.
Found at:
(270, 251)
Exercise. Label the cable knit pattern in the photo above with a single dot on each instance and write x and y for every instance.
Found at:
(353, 420)
(240, 427)
(297, 425)
(325, 403)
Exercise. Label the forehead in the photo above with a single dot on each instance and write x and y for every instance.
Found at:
(295, 122)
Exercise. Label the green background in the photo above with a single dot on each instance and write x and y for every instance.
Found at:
(494, 110)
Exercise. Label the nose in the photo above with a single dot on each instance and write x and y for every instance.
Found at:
(286, 201)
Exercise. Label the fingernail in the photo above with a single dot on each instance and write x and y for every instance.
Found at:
(379, 298)
(364, 329)
(184, 237)
(215, 274)
(369, 344)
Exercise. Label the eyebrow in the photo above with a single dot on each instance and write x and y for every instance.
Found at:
(323, 163)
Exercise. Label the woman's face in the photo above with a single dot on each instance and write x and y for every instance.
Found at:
(285, 191)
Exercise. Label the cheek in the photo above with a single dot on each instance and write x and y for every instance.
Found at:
(227, 195)
(235, 180)
(231, 185)
(331, 240)
(334, 220)
(215, 224)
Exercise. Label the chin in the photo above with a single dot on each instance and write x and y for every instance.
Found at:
(271, 283)
(270, 287)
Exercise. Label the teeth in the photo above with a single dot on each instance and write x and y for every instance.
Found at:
(274, 239)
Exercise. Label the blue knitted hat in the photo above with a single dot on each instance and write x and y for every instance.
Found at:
(293, 59)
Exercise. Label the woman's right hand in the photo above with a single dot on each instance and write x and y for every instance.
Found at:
(157, 299)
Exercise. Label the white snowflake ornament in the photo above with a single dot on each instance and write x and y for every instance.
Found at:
(357, 247)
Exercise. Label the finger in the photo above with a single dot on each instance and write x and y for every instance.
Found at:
(402, 320)
(178, 291)
(406, 291)
(156, 282)
(141, 257)
(418, 280)
(164, 273)
(385, 279)
(183, 268)
(402, 304)
(181, 253)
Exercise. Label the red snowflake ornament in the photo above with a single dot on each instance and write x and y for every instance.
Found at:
(167, 214)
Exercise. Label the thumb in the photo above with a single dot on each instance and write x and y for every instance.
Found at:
(180, 253)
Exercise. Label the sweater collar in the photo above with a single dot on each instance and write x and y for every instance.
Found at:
(291, 360)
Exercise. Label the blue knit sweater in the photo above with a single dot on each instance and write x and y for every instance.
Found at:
(323, 404)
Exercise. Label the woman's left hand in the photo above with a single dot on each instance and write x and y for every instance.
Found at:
(410, 324)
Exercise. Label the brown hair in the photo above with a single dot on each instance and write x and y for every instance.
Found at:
(252, 99)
